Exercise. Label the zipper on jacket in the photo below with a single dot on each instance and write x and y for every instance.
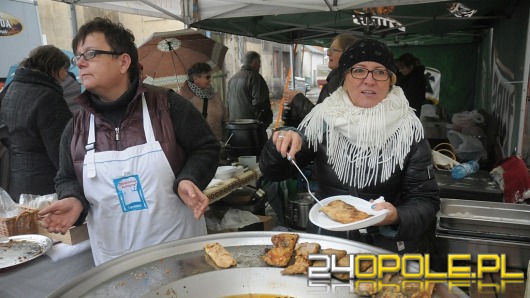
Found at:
(117, 129)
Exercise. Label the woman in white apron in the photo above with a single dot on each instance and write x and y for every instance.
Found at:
(134, 192)
(133, 188)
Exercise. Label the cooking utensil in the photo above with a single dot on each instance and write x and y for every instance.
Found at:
(289, 158)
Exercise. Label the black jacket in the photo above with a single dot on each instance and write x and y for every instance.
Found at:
(414, 86)
(248, 96)
(413, 190)
(301, 106)
(35, 113)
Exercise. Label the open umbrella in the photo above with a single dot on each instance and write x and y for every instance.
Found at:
(166, 56)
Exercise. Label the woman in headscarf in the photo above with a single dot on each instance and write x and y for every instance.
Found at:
(35, 113)
(198, 90)
(366, 142)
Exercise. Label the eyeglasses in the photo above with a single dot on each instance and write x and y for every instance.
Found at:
(362, 73)
(91, 54)
(333, 50)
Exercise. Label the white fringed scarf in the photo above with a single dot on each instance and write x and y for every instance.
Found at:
(364, 143)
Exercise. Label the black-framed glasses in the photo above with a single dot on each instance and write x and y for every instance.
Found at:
(91, 54)
(362, 73)
(333, 50)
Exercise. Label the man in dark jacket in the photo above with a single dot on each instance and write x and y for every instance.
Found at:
(411, 79)
(248, 94)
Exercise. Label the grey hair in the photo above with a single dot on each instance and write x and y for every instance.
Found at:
(250, 57)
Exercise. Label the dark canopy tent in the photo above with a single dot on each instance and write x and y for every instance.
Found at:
(422, 23)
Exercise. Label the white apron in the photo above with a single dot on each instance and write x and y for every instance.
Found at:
(132, 202)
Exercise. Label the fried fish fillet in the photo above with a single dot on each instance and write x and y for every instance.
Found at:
(344, 213)
(364, 265)
(339, 253)
(301, 262)
(408, 290)
(221, 257)
(281, 253)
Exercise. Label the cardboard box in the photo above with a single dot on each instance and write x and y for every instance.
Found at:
(73, 236)
(264, 225)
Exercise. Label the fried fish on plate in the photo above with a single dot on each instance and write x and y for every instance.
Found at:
(301, 262)
(220, 256)
(281, 253)
(343, 212)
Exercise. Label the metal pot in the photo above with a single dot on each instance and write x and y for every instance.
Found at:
(298, 211)
(245, 137)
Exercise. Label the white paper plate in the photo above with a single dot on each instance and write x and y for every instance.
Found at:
(322, 220)
(24, 248)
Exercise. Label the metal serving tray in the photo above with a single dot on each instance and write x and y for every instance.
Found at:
(180, 269)
(517, 252)
(500, 220)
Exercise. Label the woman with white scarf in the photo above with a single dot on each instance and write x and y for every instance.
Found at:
(367, 142)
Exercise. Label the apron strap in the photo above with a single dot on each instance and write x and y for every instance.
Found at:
(148, 127)
(90, 149)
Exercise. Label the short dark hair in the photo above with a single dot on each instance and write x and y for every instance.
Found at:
(408, 60)
(198, 69)
(250, 57)
(47, 59)
(121, 40)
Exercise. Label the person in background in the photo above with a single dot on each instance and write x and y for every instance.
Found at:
(411, 79)
(35, 112)
(248, 94)
(299, 104)
(134, 158)
(198, 90)
(71, 90)
(366, 142)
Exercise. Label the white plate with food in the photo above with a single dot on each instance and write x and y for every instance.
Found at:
(23, 248)
(346, 217)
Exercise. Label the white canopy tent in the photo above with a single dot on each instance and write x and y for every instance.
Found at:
(190, 11)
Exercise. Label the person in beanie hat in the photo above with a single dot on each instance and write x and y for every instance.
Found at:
(366, 142)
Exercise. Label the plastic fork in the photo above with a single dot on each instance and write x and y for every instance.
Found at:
(289, 158)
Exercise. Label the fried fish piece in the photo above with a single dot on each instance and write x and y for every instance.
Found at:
(283, 249)
(364, 265)
(410, 290)
(339, 253)
(301, 262)
(221, 257)
(343, 212)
